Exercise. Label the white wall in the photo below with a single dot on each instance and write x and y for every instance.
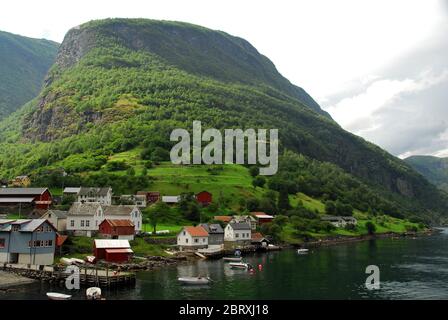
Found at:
(186, 240)
(236, 235)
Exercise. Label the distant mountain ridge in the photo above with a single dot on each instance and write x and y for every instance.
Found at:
(435, 169)
(24, 62)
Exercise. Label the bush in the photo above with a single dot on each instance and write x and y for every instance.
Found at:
(370, 227)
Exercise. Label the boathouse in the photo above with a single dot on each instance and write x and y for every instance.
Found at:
(112, 250)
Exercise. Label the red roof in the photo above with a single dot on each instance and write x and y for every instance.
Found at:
(119, 223)
(196, 231)
(223, 218)
(119, 251)
(60, 240)
(257, 236)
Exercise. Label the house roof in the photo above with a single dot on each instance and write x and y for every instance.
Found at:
(83, 209)
(60, 239)
(16, 200)
(58, 213)
(118, 223)
(171, 199)
(4, 192)
(331, 218)
(95, 191)
(121, 210)
(213, 228)
(223, 218)
(27, 225)
(257, 237)
(111, 244)
(119, 251)
(240, 226)
(72, 189)
(203, 192)
(244, 218)
(196, 231)
(262, 215)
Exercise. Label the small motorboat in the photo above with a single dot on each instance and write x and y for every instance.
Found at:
(58, 296)
(240, 265)
(195, 280)
(93, 293)
(232, 259)
(303, 251)
(90, 259)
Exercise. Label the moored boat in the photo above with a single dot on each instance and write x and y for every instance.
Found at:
(58, 296)
(93, 293)
(302, 251)
(195, 280)
(240, 265)
(232, 259)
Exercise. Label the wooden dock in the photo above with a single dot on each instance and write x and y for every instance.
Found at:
(88, 276)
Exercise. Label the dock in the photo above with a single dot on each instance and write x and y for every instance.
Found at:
(88, 275)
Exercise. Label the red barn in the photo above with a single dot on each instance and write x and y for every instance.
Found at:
(112, 250)
(117, 229)
(204, 198)
(40, 198)
(262, 217)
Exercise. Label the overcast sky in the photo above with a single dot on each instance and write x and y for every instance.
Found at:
(379, 67)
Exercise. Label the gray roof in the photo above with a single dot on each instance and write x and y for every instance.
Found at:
(21, 191)
(121, 210)
(27, 225)
(240, 226)
(331, 218)
(83, 209)
(101, 192)
(213, 228)
(58, 213)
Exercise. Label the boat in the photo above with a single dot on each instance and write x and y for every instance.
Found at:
(91, 259)
(195, 280)
(93, 293)
(58, 296)
(232, 259)
(302, 251)
(240, 265)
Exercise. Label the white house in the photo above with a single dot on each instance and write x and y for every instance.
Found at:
(131, 212)
(84, 218)
(192, 238)
(138, 200)
(238, 232)
(100, 195)
(340, 221)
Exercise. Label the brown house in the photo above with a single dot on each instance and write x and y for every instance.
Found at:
(117, 229)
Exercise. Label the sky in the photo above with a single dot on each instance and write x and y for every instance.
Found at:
(379, 67)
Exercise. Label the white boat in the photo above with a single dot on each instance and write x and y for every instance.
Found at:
(235, 259)
(302, 251)
(240, 265)
(93, 293)
(195, 280)
(58, 296)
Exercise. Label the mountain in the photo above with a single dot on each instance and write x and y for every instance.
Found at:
(433, 168)
(24, 62)
(122, 85)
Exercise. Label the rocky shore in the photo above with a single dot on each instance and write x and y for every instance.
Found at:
(149, 263)
(9, 280)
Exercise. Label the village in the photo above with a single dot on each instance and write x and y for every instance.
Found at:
(35, 234)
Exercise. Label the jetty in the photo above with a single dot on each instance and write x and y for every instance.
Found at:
(88, 275)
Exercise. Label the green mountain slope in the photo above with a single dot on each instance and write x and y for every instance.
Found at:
(118, 85)
(433, 168)
(24, 62)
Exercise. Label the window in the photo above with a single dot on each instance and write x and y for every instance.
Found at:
(36, 243)
(30, 243)
(247, 235)
(196, 240)
(2, 243)
(72, 223)
(203, 240)
(184, 233)
(237, 235)
(186, 240)
(15, 228)
(82, 223)
(50, 243)
(87, 223)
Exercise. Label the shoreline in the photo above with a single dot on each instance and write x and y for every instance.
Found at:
(10, 280)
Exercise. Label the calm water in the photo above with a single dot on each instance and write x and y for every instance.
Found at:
(410, 269)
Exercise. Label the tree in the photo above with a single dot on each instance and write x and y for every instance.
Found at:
(258, 181)
(130, 171)
(156, 212)
(283, 200)
(254, 171)
(370, 227)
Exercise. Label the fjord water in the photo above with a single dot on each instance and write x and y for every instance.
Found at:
(409, 269)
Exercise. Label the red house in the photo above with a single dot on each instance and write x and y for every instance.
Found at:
(204, 198)
(112, 250)
(40, 198)
(117, 229)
